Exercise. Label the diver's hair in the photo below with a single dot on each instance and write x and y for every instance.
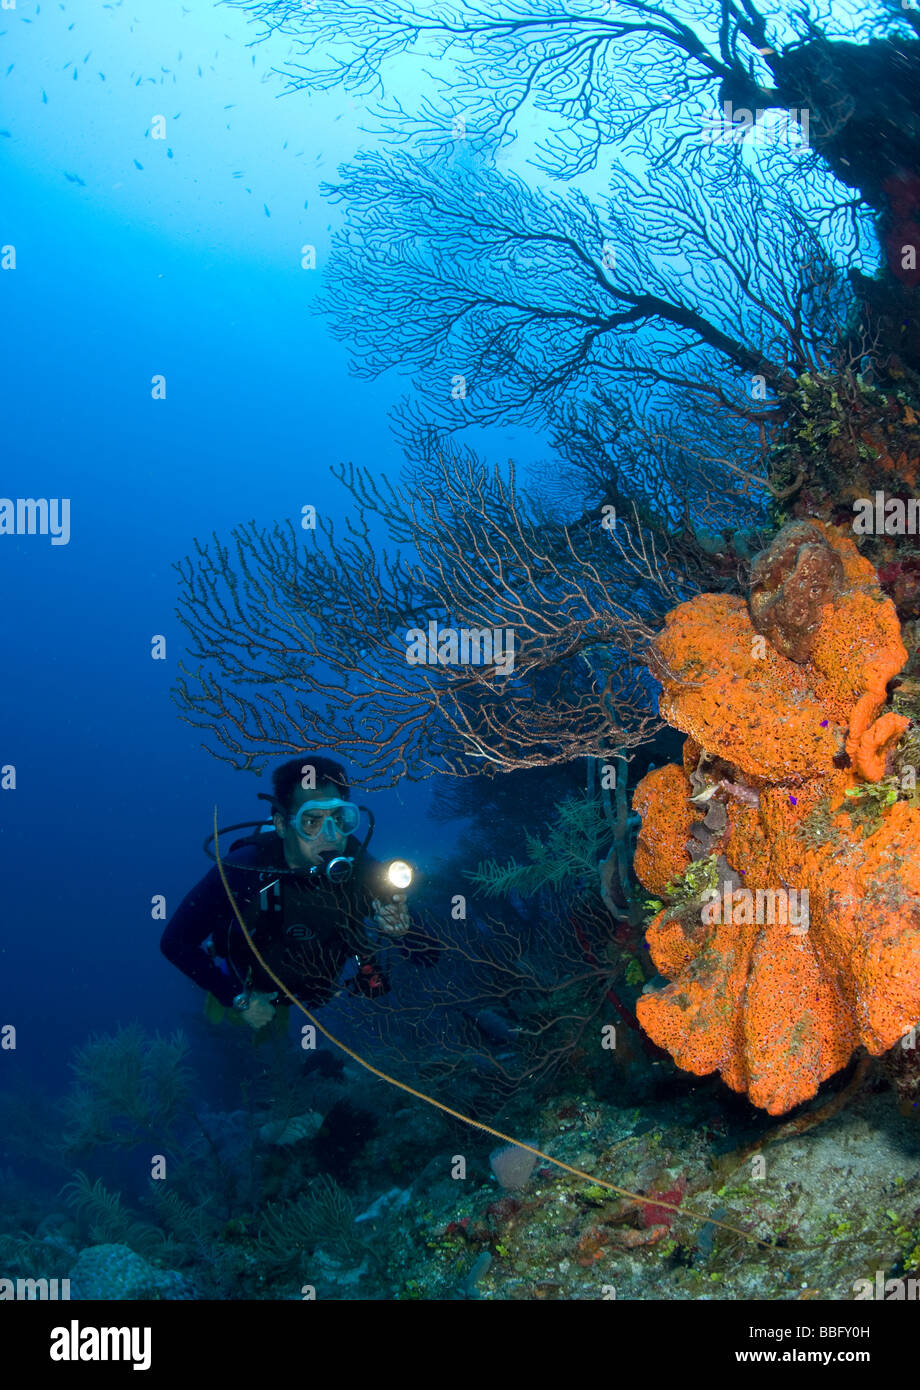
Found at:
(289, 776)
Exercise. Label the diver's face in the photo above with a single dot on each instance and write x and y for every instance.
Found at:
(302, 853)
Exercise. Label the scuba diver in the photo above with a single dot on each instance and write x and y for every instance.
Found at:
(311, 897)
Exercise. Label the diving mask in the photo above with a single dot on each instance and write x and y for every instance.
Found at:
(330, 819)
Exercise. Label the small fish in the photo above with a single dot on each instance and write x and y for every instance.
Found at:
(169, 154)
(44, 96)
(138, 164)
(706, 794)
(7, 133)
(74, 178)
(76, 74)
(265, 207)
(10, 69)
(102, 75)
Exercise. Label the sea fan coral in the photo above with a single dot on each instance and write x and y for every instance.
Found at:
(775, 1001)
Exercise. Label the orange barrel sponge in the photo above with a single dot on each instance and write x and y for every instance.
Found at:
(858, 647)
(873, 746)
(662, 800)
(778, 1000)
(736, 696)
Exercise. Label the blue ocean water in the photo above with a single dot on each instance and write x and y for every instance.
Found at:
(141, 260)
(174, 268)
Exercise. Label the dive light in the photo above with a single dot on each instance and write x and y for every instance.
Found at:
(399, 874)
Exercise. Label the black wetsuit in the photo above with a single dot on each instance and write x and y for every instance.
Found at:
(304, 926)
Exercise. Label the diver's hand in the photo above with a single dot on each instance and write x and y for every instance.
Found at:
(392, 918)
(259, 1010)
